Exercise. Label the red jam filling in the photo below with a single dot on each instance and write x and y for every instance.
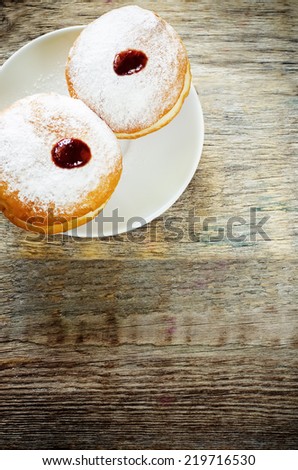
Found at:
(130, 62)
(71, 153)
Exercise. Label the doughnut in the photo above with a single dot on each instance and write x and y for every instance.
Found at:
(59, 163)
(131, 68)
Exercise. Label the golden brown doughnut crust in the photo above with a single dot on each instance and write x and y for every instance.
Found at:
(165, 118)
(168, 113)
(34, 216)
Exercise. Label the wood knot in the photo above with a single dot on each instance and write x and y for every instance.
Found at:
(5, 24)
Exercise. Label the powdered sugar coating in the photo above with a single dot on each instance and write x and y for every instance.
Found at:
(134, 101)
(28, 132)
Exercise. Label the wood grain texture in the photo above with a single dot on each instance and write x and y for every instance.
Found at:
(155, 342)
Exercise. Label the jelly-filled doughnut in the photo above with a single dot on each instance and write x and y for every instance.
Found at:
(131, 68)
(59, 163)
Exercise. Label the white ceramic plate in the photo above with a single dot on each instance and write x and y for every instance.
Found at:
(157, 167)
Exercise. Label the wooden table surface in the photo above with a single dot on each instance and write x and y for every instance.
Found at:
(154, 342)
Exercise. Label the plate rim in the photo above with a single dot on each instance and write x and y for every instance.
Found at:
(39, 39)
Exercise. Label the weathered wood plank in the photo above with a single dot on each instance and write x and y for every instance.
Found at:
(166, 343)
